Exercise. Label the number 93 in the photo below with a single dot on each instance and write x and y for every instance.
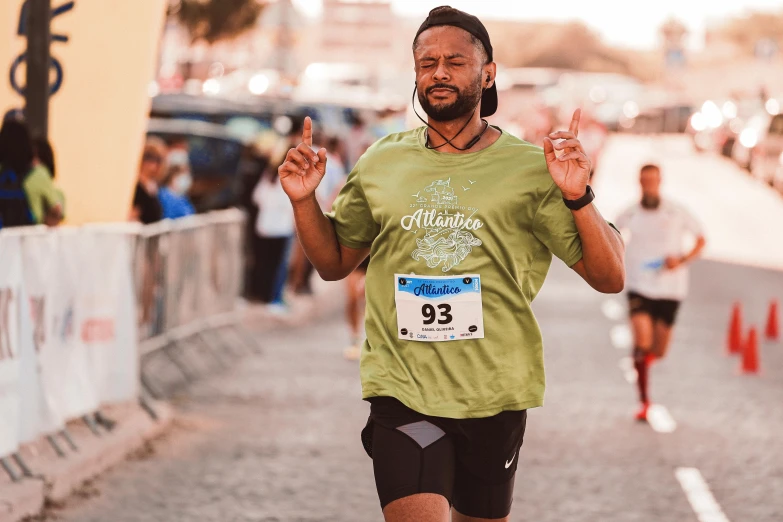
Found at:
(430, 314)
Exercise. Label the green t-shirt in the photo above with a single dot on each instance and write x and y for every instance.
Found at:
(387, 205)
(41, 192)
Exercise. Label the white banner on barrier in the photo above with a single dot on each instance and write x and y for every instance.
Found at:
(68, 311)
(35, 417)
(81, 396)
(108, 322)
(42, 275)
(121, 381)
(10, 286)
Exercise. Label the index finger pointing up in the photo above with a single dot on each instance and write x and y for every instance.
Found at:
(574, 127)
(307, 132)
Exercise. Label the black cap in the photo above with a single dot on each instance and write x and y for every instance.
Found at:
(446, 15)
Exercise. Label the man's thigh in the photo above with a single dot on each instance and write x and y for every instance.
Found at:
(663, 321)
(422, 507)
(423, 463)
(665, 312)
(412, 459)
(413, 462)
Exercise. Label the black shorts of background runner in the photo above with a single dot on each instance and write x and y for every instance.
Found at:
(470, 462)
(664, 310)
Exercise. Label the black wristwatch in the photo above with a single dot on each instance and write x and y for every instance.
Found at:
(576, 204)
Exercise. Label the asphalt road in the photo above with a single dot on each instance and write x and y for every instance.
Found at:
(277, 437)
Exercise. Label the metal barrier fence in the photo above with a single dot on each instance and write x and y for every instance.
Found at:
(188, 276)
(95, 301)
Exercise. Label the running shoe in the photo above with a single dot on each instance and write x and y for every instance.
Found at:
(641, 415)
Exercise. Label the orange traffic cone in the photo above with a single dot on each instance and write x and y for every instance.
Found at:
(772, 331)
(750, 353)
(734, 342)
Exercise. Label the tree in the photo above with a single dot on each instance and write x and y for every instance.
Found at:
(213, 20)
(571, 46)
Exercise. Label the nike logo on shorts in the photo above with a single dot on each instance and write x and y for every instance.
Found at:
(509, 462)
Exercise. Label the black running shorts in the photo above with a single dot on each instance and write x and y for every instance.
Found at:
(471, 462)
(664, 310)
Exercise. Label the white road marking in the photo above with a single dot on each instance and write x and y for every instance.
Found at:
(613, 309)
(626, 365)
(621, 337)
(699, 495)
(659, 419)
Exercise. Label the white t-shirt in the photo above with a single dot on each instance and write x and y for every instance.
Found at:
(652, 235)
(275, 215)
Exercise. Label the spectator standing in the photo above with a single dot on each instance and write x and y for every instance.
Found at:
(255, 161)
(274, 229)
(16, 158)
(29, 195)
(44, 159)
(173, 195)
(274, 232)
(146, 205)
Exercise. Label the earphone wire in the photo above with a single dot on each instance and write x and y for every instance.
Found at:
(470, 144)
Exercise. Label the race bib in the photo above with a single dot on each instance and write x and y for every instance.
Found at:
(436, 308)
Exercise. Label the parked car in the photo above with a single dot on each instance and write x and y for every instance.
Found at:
(760, 147)
(214, 153)
(260, 111)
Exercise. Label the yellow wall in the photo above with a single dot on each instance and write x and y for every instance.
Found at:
(98, 118)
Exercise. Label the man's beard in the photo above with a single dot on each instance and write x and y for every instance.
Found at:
(466, 102)
(650, 202)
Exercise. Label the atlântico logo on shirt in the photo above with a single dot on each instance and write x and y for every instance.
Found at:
(448, 227)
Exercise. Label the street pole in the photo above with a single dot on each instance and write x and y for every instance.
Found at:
(37, 85)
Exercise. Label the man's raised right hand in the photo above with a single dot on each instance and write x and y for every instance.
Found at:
(303, 169)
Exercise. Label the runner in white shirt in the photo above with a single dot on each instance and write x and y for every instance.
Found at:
(657, 232)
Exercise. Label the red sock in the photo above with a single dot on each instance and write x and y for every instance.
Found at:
(642, 366)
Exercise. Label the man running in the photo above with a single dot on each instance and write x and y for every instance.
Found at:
(657, 273)
(460, 220)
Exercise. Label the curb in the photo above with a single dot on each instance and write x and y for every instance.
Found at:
(56, 478)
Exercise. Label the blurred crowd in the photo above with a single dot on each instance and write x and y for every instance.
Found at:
(163, 183)
(276, 262)
(28, 193)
